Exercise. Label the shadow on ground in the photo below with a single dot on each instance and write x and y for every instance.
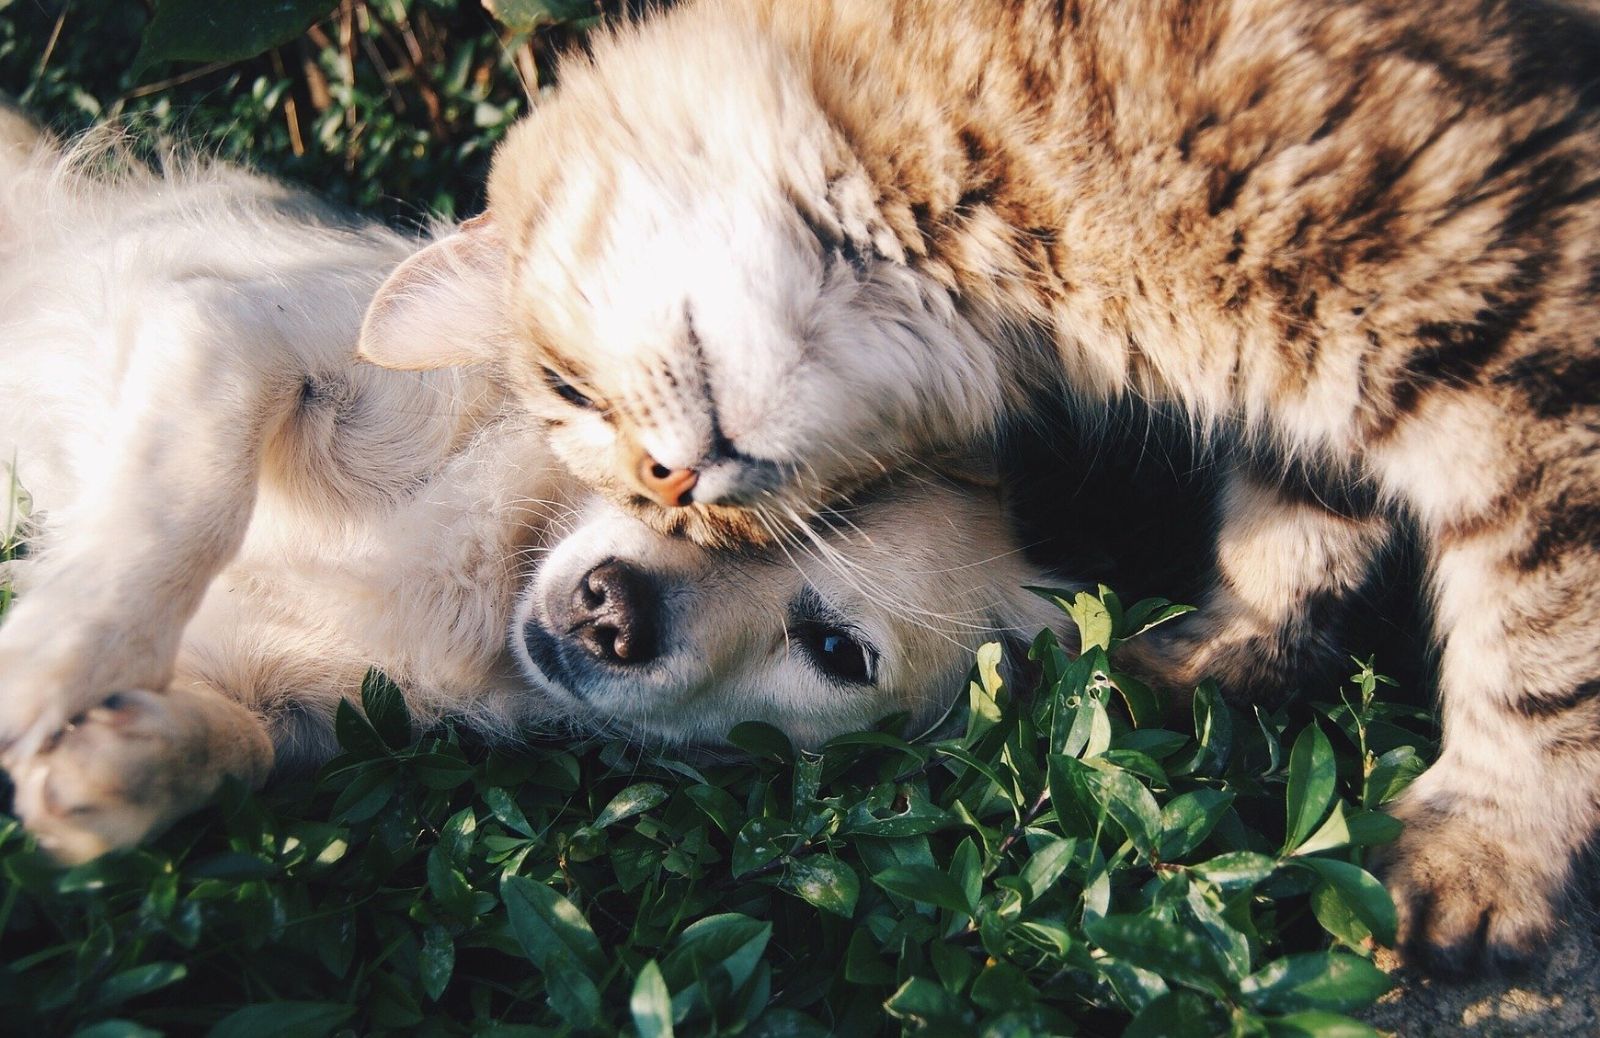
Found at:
(1558, 997)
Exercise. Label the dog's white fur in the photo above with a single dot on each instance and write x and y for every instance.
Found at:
(235, 519)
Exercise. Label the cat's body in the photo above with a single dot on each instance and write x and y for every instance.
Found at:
(764, 250)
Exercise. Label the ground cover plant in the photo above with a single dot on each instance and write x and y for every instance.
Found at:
(1051, 868)
(1079, 860)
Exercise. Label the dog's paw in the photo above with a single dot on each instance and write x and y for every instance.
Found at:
(111, 776)
(1471, 899)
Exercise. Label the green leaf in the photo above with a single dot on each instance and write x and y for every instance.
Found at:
(1369, 828)
(863, 964)
(524, 16)
(1311, 781)
(1314, 1024)
(436, 961)
(203, 30)
(1078, 811)
(1144, 706)
(1161, 947)
(719, 806)
(1048, 859)
(983, 695)
(1177, 1014)
(1237, 869)
(651, 1003)
(1391, 774)
(1336, 916)
(1155, 743)
(634, 800)
(115, 1029)
(448, 885)
(730, 942)
(1188, 819)
(504, 808)
(1129, 803)
(1333, 981)
(1213, 732)
(1333, 833)
(762, 840)
(367, 793)
(139, 980)
(1362, 894)
(1206, 907)
(1093, 620)
(922, 1000)
(283, 1020)
(572, 992)
(917, 819)
(787, 1023)
(1002, 987)
(385, 705)
(828, 883)
(1148, 613)
(924, 884)
(762, 740)
(356, 734)
(548, 926)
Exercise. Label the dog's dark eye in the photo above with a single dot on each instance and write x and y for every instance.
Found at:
(566, 391)
(837, 652)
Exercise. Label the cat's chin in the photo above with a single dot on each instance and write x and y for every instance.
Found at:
(742, 527)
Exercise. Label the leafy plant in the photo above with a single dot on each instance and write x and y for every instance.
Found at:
(1050, 869)
(389, 105)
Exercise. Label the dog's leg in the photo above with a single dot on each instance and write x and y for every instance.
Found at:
(202, 381)
(134, 763)
(1286, 564)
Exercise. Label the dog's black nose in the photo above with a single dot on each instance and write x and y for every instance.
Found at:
(614, 614)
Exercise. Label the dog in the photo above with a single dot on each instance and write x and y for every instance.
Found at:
(234, 519)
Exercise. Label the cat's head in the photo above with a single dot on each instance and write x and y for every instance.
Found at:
(654, 637)
(688, 278)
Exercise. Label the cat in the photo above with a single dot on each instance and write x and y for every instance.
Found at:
(232, 520)
(752, 255)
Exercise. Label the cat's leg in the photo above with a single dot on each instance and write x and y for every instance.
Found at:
(1495, 829)
(201, 382)
(134, 763)
(1287, 562)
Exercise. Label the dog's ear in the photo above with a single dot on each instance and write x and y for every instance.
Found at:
(973, 468)
(442, 306)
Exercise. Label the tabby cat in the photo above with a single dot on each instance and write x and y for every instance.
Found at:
(753, 254)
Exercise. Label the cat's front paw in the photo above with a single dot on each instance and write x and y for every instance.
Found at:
(111, 776)
(1176, 658)
(1471, 897)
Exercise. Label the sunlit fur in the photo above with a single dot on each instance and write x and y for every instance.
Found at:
(233, 520)
(792, 245)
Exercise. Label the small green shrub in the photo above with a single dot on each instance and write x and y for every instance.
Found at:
(392, 106)
(1051, 869)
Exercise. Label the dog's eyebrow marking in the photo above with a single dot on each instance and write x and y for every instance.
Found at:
(809, 605)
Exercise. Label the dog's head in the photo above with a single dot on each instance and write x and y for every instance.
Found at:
(650, 635)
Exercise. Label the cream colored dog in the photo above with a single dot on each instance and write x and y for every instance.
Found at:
(234, 520)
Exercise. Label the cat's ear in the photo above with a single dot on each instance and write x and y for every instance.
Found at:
(441, 307)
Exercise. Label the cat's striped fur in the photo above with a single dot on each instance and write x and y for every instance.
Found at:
(783, 246)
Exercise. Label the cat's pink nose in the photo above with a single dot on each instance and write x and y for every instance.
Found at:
(668, 488)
